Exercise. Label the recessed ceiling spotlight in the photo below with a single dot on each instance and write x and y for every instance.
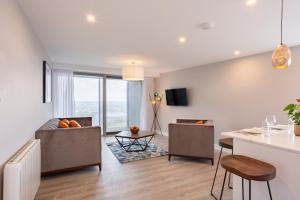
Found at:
(250, 3)
(90, 18)
(206, 25)
(237, 52)
(182, 40)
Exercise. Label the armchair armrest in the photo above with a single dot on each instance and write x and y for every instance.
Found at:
(193, 121)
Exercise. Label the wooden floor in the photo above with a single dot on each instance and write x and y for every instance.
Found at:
(150, 179)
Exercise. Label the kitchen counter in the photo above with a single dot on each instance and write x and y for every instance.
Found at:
(281, 149)
(278, 139)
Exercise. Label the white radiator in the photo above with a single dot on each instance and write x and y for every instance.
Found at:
(22, 173)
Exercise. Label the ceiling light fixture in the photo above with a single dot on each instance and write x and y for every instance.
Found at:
(250, 2)
(237, 52)
(281, 57)
(91, 18)
(182, 40)
(133, 72)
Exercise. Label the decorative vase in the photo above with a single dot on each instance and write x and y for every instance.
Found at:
(297, 130)
(134, 130)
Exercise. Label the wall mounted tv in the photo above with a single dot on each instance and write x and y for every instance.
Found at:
(176, 97)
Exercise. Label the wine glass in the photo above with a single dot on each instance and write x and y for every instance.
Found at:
(290, 126)
(271, 121)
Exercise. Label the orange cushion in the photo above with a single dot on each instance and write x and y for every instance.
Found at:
(74, 124)
(62, 124)
(200, 122)
(66, 121)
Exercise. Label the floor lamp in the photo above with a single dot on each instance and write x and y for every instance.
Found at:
(155, 103)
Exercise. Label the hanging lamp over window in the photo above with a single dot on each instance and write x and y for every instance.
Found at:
(281, 57)
(133, 72)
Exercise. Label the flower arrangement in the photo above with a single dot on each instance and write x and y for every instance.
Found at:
(293, 111)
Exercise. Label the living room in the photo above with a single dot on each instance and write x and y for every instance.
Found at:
(149, 99)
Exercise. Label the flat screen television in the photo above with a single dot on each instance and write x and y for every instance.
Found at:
(176, 97)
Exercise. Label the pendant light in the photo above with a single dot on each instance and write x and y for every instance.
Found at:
(281, 57)
(133, 72)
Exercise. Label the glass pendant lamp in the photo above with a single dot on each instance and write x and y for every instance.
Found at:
(282, 57)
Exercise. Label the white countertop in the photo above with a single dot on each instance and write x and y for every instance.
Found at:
(278, 139)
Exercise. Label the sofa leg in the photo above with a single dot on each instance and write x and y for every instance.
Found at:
(100, 167)
(169, 157)
(212, 162)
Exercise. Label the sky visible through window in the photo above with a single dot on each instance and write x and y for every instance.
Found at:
(85, 89)
(88, 103)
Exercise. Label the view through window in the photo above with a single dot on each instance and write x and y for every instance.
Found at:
(89, 101)
(87, 97)
(116, 105)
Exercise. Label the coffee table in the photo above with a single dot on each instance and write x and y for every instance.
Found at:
(134, 140)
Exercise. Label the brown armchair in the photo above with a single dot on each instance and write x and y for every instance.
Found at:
(186, 138)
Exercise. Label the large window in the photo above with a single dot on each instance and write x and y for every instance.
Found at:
(116, 105)
(113, 103)
(87, 97)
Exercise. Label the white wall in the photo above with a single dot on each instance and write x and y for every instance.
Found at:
(21, 107)
(235, 94)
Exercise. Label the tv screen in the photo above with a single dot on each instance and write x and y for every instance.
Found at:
(176, 97)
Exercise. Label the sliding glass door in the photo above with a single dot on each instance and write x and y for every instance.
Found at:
(87, 93)
(116, 105)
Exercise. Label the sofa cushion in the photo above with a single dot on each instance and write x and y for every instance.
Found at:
(66, 121)
(200, 122)
(74, 124)
(63, 124)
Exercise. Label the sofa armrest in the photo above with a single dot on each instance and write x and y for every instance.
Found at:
(65, 130)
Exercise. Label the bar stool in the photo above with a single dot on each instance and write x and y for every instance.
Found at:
(226, 143)
(249, 169)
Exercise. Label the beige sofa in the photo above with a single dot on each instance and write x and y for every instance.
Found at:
(69, 149)
(186, 138)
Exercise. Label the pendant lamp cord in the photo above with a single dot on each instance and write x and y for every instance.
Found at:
(281, 20)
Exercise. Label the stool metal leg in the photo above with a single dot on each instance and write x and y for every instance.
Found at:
(230, 187)
(223, 185)
(269, 190)
(212, 187)
(249, 189)
(243, 189)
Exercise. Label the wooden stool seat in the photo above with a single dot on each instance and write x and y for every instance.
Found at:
(226, 143)
(248, 168)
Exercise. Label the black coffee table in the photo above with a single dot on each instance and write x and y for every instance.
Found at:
(134, 140)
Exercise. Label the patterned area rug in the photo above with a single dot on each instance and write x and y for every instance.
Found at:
(152, 151)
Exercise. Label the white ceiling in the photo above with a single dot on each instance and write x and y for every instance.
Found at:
(147, 31)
